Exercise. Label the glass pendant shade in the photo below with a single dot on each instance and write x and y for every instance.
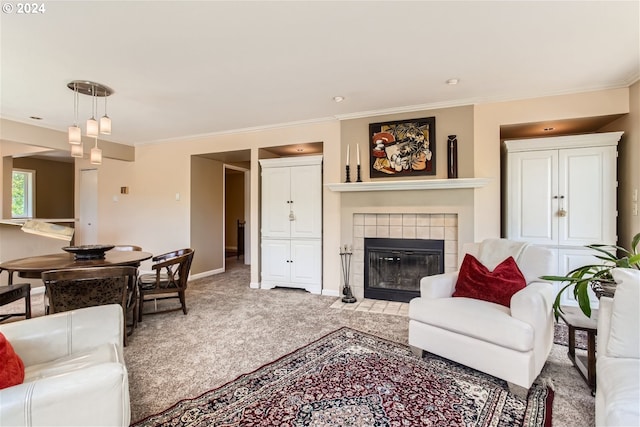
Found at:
(76, 150)
(96, 155)
(75, 135)
(92, 127)
(105, 125)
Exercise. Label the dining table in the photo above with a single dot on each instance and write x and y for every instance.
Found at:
(32, 267)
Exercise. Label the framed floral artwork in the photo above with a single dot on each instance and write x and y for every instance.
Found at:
(402, 148)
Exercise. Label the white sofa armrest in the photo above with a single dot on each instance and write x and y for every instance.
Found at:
(47, 338)
(70, 399)
(439, 285)
(605, 311)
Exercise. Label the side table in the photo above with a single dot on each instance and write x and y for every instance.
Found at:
(577, 321)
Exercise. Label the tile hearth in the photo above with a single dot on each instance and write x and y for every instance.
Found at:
(375, 306)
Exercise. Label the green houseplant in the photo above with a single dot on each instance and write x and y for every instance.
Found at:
(598, 276)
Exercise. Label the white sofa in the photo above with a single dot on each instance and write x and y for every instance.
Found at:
(75, 373)
(618, 353)
(509, 343)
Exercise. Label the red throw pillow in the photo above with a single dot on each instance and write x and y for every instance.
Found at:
(476, 281)
(12, 372)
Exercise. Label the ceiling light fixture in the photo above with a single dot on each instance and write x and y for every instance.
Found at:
(94, 128)
(452, 82)
(338, 98)
(96, 154)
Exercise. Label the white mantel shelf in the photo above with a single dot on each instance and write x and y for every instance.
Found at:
(423, 184)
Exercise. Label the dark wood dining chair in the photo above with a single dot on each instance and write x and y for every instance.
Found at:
(71, 289)
(171, 273)
(15, 292)
(132, 297)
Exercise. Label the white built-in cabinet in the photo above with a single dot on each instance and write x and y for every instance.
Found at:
(291, 218)
(561, 193)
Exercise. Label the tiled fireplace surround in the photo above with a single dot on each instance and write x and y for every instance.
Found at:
(440, 226)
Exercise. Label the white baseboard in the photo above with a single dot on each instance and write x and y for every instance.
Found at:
(330, 293)
(254, 285)
(206, 274)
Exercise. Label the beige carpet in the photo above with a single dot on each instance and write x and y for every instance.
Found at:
(231, 330)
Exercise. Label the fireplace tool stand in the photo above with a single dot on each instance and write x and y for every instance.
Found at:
(345, 255)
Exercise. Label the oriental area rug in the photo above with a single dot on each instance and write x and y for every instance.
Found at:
(350, 378)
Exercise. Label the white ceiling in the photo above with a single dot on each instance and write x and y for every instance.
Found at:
(186, 68)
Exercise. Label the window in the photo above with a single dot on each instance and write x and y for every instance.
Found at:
(23, 193)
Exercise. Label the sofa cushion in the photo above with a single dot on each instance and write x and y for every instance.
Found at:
(498, 286)
(12, 372)
(618, 385)
(485, 321)
(104, 353)
(624, 340)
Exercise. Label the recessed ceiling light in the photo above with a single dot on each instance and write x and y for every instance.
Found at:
(35, 118)
(338, 98)
(452, 82)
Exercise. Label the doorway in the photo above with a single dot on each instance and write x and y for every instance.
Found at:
(236, 214)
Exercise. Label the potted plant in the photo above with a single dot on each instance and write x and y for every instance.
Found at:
(597, 276)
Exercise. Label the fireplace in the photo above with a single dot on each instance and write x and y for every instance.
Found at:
(393, 267)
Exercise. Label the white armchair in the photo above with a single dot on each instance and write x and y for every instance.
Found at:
(75, 373)
(511, 343)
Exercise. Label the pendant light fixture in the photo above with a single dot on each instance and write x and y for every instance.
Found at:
(94, 128)
(75, 133)
(96, 154)
(92, 123)
(77, 150)
(105, 121)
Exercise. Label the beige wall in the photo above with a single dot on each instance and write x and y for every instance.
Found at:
(628, 167)
(449, 121)
(150, 215)
(54, 186)
(207, 214)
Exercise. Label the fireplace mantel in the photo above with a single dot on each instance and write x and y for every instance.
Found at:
(424, 184)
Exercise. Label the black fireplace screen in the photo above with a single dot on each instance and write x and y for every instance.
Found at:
(394, 267)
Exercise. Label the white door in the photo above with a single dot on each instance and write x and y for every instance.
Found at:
(87, 226)
(306, 201)
(306, 265)
(570, 259)
(588, 191)
(276, 261)
(532, 198)
(276, 206)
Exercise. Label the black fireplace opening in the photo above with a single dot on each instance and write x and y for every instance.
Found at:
(393, 267)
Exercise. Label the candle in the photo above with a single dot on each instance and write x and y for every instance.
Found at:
(347, 154)
(358, 152)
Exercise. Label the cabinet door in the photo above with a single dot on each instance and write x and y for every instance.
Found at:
(531, 206)
(306, 195)
(306, 266)
(568, 259)
(275, 202)
(587, 186)
(276, 265)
